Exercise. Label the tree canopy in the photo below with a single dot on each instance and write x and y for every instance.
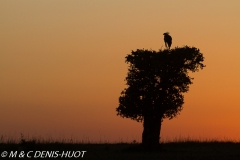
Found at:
(156, 82)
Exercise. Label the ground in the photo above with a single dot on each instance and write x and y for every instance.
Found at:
(124, 151)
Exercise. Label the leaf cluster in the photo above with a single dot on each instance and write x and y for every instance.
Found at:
(156, 82)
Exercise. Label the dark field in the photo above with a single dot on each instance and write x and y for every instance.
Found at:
(124, 151)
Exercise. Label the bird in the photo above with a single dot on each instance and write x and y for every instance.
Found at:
(167, 40)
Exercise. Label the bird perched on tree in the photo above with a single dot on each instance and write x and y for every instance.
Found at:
(167, 40)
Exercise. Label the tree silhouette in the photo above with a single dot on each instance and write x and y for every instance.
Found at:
(156, 82)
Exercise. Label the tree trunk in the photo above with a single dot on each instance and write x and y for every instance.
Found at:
(151, 132)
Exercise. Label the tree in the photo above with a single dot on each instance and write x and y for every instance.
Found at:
(156, 82)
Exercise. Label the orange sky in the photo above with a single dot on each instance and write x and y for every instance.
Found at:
(62, 66)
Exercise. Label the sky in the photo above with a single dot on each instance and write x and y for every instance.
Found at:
(62, 67)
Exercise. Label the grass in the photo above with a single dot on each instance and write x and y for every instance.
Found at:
(180, 149)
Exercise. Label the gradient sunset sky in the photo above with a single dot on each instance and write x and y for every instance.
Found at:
(62, 66)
